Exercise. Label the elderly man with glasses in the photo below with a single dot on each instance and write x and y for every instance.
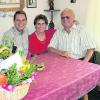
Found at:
(72, 40)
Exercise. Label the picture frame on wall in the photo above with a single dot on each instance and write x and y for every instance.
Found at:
(31, 3)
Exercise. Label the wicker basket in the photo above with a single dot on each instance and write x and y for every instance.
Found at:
(17, 94)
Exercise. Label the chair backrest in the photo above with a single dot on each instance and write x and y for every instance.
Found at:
(97, 57)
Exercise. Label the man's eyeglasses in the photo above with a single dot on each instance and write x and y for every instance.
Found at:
(65, 17)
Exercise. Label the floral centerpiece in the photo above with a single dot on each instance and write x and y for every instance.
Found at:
(16, 74)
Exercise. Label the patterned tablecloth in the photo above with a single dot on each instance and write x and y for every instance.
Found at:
(63, 78)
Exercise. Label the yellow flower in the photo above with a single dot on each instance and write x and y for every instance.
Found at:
(23, 59)
(24, 67)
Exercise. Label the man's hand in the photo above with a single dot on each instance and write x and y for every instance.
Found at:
(60, 52)
(89, 54)
(65, 53)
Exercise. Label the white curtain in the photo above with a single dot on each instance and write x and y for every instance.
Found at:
(93, 21)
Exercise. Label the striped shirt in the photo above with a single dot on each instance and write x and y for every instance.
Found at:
(20, 39)
(77, 41)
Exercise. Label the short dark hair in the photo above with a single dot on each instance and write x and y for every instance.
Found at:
(19, 12)
(39, 17)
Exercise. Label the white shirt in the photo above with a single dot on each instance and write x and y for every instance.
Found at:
(77, 41)
(20, 39)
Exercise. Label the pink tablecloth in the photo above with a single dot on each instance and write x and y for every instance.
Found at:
(63, 78)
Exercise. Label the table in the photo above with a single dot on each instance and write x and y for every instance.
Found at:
(63, 78)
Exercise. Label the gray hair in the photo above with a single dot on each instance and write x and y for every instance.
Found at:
(68, 10)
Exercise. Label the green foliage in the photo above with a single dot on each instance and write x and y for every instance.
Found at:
(7, 44)
(21, 53)
(6, 41)
(4, 52)
(5, 48)
(11, 43)
(15, 78)
(13, 75)
(1, 46)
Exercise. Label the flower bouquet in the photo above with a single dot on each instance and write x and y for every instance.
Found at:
(16, 74)
(6, 48)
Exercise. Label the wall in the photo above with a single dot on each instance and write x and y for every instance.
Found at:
(7, 22)
(93, 21)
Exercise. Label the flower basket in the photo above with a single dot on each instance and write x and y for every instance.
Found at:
(16, 76)
(15, 94)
